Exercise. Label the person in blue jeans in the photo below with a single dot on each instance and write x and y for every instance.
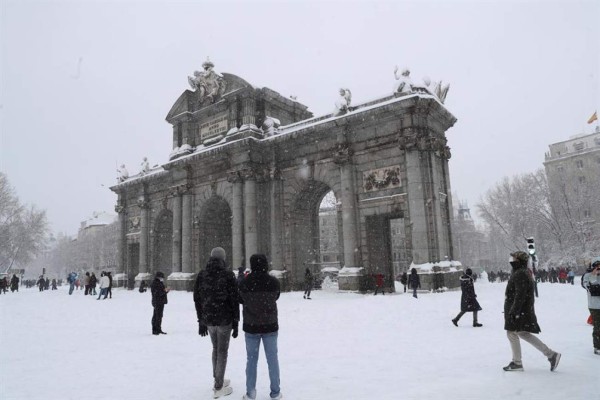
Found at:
(259, 293)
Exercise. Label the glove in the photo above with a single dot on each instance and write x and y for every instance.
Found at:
(202, 329)
(234, 325)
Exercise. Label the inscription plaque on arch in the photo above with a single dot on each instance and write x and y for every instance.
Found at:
(215, 126)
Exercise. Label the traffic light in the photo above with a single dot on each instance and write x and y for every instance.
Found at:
(531, 246)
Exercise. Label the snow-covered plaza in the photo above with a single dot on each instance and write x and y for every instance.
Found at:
(336, 346)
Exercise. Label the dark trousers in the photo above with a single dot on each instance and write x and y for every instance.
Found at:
(460, 314)
(87, 289)
(377, 288)
(157, 318)
(307, 289)
(596, 330)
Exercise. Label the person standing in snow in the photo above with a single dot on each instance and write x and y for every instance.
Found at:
(259, 293)
(109, 289)
(93, 282)
(308, 283)
(414, 282)
(218, 312)
(86, 283)
(468, 299)
(159, 299)
(14, 283)
(72, 278)
(379, 284)
(104, 282)
(591, 282)
(404, 280)
(520, 321)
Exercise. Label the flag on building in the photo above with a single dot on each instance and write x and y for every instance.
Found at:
(593, 118)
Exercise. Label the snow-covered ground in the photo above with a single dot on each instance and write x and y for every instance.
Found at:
(336, 346)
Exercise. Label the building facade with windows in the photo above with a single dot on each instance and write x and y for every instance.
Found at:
(573, 171)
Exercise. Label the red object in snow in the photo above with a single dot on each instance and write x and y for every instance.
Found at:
(590, 321)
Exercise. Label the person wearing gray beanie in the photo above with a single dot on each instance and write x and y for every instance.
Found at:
(218, 252)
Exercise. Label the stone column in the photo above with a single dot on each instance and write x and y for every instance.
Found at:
(237, 223)
(186, 233)
(121, 242)
(349, 215)
(176, 233)
(144, 235)
(250, 217)
(276, 219)
(416, 207)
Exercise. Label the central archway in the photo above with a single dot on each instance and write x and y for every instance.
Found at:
(215, 229)
(306, 233)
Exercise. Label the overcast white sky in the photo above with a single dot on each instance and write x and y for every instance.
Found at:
(522, 74)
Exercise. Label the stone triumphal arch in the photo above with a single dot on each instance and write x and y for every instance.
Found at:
(249, 168)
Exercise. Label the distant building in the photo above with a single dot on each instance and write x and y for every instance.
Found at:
(573, 171)
(471, 244)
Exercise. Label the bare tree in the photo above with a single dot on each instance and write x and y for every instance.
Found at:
(23, 229)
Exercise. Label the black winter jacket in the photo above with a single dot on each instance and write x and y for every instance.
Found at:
(468, 300)
(259, 292)
(519, 313)
(159, 296)
(216, 294)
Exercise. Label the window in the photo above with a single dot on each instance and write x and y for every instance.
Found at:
(587, 213)
(560, 168)
(579, 164)
(578, 145)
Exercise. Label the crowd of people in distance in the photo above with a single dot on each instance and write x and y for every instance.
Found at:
(553, 275)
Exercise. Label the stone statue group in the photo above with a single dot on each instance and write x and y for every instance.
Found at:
(123, 174)
(403, 85)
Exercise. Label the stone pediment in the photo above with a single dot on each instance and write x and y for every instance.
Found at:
(193, 100)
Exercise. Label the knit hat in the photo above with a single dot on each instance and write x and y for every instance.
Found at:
(595, 260)
(469, 271)
(258, 262)
(218, 252)
(159, 274)
(520, 256)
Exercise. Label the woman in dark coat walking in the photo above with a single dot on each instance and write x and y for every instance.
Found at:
(520, 321)
(414, 282)
(468, 300)
(159, 299)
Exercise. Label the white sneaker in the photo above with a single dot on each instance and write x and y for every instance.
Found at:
(245, 397)
(224, 391)
(226, 382)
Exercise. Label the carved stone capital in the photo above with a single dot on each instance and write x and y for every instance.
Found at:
(179, 190)
(143, 204)
(119, 208)
(234, 177)
(343, 154)
(274, 173)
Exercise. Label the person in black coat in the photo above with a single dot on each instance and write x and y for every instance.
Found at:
(414, 282)
(159, 299)
(218, 312)
(308, 283)
(259, 293)
(468, 300)
(520, 321)
(14, 283)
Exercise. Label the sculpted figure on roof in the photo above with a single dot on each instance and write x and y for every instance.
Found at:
(208, 84)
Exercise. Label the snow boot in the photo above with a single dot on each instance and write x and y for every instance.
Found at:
(597, 351)
(554, 360)
(224, 391)
(455, 322)
(477, 324)
(513, 367)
